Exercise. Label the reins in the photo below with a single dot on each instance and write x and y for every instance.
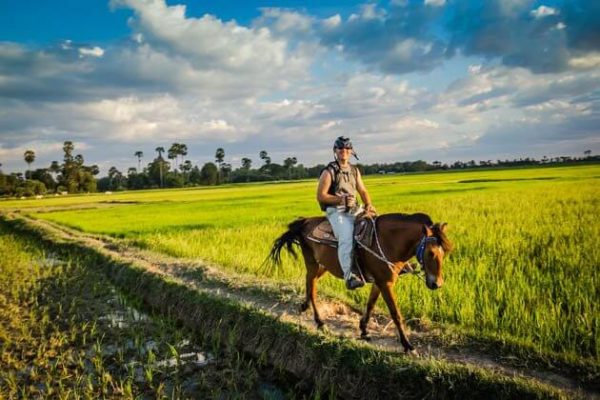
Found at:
(382, 257)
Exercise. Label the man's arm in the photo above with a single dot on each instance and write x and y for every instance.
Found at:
(362, 191)
(322, 195)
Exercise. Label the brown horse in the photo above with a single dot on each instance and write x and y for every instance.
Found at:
(398, 236)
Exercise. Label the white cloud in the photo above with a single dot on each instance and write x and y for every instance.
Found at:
(208, 82)
(332, 22)
(411, 124)
(207, 42)
(543, 11)
(91, 51)
(435, 3)
(588, 61)
(474, 68)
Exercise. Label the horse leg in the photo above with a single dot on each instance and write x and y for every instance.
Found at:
(313, 273)
(390, 300)
(364, 321)
(313, 297)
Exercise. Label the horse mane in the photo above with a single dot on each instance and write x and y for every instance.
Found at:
(419, 218)
(441, 237)
(424, 219)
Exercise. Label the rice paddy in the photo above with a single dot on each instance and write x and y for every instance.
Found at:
(66, 332)
(524, 269)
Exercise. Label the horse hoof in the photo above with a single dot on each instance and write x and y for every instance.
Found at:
(365, 337)
(321, 326)
(303, 307)
(412, 352)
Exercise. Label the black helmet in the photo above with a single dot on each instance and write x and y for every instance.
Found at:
(342, 143)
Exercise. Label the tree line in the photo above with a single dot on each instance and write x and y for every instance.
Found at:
(73, 176)
(70, 176)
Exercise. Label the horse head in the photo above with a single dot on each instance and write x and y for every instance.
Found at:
(432, 249)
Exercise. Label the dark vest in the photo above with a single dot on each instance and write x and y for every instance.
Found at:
(342, 181)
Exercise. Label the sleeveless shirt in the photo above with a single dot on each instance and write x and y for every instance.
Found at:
(343, 180)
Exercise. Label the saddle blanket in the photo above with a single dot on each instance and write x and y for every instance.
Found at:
(363, 232)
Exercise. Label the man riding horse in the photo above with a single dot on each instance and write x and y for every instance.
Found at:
(336, 195)
(395, 239)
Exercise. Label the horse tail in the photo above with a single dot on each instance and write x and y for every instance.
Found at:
(293, 235)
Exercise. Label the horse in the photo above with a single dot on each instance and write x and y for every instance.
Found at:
(398, 237)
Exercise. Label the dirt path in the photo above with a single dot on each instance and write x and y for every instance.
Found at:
(341, 320)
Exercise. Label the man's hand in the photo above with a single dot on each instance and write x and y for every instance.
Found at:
(369, 209)
(348, 200)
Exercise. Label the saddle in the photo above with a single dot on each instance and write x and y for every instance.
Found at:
(363, 232)
(364, 229)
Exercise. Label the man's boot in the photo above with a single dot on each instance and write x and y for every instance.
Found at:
(354, 282)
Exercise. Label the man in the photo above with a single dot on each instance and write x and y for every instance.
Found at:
(336, 194)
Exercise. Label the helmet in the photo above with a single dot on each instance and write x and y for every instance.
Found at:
(342, 143)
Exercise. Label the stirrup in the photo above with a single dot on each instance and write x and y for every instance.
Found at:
(354, 283)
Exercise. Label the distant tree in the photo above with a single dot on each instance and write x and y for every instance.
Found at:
(173, 152)
(183, 151)
(288, 164)
(160, 150)
(265, 157)
(115, 176)
(68, 148)
(29, 157)
(266, 167)
(246, 163)
(94, 170)
(195, 176)
(54, 168)
(219, 157)
(225, 171)
(209, 174)
(186, 167)
(139, 154)
(43, 175)
(587, 153)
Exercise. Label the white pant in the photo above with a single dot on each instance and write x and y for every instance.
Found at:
(343, 229)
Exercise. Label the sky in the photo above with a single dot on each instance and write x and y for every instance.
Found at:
(436, 80)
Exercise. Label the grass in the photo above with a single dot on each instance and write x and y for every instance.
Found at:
(523, 271)
(326, 366)
(65, 332)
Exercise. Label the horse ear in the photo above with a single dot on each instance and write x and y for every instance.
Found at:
(443, 227)
(427, 231)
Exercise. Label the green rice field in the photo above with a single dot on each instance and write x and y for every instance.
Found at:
(524, 269)
(67, 333)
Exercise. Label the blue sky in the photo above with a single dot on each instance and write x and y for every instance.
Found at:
(430, 79)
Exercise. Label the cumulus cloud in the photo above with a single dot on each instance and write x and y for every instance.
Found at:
(415, 36)
(543, 11)
(291, 82)
(93, 51)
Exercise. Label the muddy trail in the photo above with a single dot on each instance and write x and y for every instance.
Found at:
(340, 319)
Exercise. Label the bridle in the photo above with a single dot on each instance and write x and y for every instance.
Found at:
(382, 257)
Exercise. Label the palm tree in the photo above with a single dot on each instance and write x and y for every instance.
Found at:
(29, 157)
(219, 157)
(173, 152)
(139, 154)
(264, 156)
(186, 167)
(246, 163)
(160, 150)
(68, 148)
(289, 164)
(182, 150)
